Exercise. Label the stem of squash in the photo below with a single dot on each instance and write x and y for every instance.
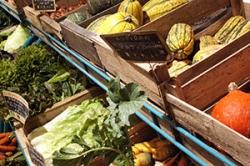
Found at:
(232, 86)
(128, 18)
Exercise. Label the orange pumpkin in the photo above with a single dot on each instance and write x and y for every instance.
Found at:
(233, 110)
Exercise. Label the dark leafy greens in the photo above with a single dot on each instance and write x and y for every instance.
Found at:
(27, 75)
(6, 20)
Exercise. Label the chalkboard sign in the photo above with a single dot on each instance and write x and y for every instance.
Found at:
(18, 106)
(139, 46)
(35, 157)
(44, 5)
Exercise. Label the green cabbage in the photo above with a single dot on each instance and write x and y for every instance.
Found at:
(91, 129)
(17, 39)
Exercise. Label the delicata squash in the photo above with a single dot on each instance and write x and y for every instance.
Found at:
(180, 40)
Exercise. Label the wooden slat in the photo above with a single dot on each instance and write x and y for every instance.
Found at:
(186, 13)
(227, 139)
(213, 83)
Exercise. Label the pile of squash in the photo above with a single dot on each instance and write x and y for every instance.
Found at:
(131, 14)
(180, 40)
(158, 152)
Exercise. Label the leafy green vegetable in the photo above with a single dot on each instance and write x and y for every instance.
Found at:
(6, 20)
(92, 129)
(28, 73)
(17, 39)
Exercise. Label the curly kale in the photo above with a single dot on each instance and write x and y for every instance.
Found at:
(28, 73)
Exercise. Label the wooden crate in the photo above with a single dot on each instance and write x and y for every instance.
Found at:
(16, 8)
(34, 122)
(83, 41)
(138, 133)
(153, 76)
(201, 123)
(247, 8)
(38, 19)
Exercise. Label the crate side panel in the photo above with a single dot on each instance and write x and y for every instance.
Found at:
(76, 38)
(212, 84)
(186, 13)
(195, 120)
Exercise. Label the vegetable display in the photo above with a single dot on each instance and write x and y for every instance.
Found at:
(143, 14)
(181, 43)
(10, 153)
(92, 129)
(41, 77)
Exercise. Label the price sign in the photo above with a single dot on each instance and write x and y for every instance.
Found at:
(139, 46)
(18, 106)
(44, 5)
(35, 157)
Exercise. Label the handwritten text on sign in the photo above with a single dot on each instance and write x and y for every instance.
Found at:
(138, 46)
(35, 157)
(44, 5)
(18, 107)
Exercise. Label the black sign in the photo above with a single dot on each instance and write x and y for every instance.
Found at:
(139, 46)
(18, 107)
(35, 157)
(44, 5)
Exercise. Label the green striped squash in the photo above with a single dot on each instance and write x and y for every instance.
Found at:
(118, 22)
(94, 25)
(244, 27)
(132, 7)
(154, 9)
(176, 67)
(206, 52)
(207, 40)
(226, 31)
(180, 40)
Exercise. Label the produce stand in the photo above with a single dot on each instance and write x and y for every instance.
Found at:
(151, 114)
